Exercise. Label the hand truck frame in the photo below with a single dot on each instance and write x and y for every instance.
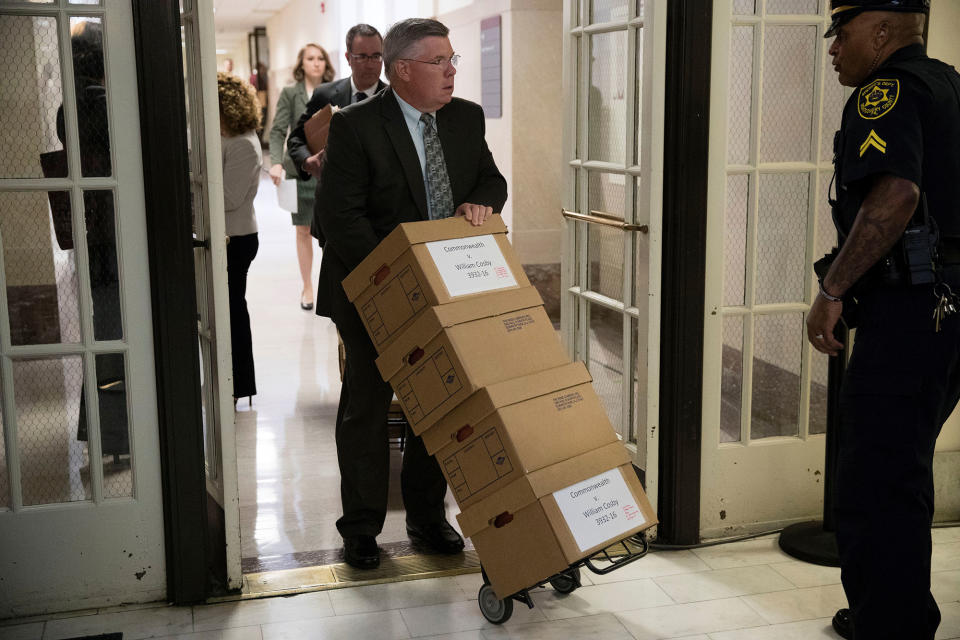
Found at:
(614, 557)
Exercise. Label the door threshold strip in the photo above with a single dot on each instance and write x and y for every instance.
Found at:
(285, 582)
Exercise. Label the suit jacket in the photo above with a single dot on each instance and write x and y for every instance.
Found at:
(290, 106)
(372, 180)
(337, 93)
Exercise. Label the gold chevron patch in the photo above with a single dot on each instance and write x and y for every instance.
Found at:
(875, 141)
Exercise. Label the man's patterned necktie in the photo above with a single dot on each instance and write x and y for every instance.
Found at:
(439, 195)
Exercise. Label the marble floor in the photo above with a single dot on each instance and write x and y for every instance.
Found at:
(740, 591)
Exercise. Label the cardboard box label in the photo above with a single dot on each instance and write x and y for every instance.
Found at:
(487, 459)
(428, 386)
(471, 265)
(599, 509)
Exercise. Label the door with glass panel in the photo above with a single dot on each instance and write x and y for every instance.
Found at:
(81, 518)
(775, 105)
(613, 65)
(210, 271)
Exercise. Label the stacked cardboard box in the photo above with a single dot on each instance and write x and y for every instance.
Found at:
(537, 469)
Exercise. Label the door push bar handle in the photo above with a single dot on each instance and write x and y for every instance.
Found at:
(607, 220)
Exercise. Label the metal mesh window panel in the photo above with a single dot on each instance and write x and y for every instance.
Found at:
(787, 117)
(744, 7)
(86, 44)
(638, 346)
(114, 425)
(4, 469)
(41, 282)
(825, 233)
(735, 240)
(781, 263)
(740, 95)
(777, 350)
(605, 347)
(607, 101)
(104, 272)
(819, 364)
(731, 381)
(834, 96)
(580, 106)
(31, 96)
(84, 1)
(793, 7)
(52, 434)
(638, 118)
(605, 252)
(606, 193)
(608, 10)
(641, 266)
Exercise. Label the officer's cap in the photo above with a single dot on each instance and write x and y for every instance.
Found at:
(843, 11)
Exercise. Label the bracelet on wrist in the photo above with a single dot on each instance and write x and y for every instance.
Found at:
(831, 298)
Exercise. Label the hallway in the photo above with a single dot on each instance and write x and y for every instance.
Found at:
(287, 464)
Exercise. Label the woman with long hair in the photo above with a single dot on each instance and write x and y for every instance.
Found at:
(312, 69)
(242, 161)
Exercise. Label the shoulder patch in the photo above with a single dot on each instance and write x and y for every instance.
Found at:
(877, 98)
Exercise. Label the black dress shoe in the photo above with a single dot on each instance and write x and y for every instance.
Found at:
(843, 624)
(361, 552)
(437, 536)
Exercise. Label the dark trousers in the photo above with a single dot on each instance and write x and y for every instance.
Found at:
(241, 250)
(901, 384)
(362, 448)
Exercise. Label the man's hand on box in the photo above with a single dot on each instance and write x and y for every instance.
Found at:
(314, 164)
(476, 214)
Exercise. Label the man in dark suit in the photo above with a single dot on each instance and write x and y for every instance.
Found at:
(365, 57)
(412, 152)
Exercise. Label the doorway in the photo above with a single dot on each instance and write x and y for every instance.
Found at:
(613, 156)
(80, 485)
(775, 106)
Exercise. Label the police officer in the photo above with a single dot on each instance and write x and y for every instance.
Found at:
(897, 182)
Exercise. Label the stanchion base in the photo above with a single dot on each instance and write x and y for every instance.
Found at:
(808, 541)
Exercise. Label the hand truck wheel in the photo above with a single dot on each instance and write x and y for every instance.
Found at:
(566, 582)
(495, 610)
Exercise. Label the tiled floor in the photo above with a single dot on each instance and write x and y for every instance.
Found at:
(740, 591)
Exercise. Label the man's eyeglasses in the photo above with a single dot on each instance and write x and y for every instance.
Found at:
(439, 61)
(362, 57)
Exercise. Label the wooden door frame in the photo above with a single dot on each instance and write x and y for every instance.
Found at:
(685, 164)
(163, 126)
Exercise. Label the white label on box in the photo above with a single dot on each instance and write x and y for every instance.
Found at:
(471, 265)
(599, 509)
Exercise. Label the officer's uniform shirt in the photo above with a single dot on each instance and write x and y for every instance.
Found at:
(903, 120)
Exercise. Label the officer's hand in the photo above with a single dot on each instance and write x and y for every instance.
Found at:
(314, 164)
(276, 173)
(477, 214)
(821, 320)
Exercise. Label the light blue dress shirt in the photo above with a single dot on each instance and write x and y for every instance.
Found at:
(412, 117)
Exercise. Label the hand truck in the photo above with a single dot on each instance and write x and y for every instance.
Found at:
(618, 555)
